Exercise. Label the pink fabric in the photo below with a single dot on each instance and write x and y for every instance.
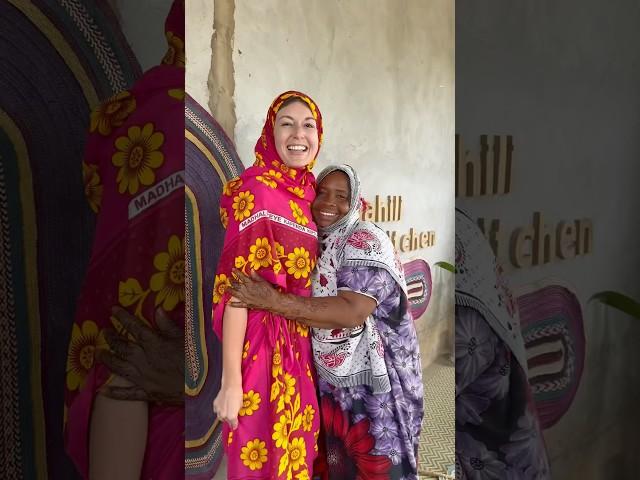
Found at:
(134, 180)
(270, 230)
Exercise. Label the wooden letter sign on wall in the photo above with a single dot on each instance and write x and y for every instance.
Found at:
(530, 245)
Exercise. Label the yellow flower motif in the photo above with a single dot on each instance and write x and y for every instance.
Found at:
(275, 391)
(315, 437)
(137, 157)
(279, 250)
(293, 172)
(271, 178)
(224, 217)
(250, 403)
(276, 364)
(242, 205)
(220, 285)
(267, 181)
(177, 93)
(281, 431)
(277, 267)
(297, 451)
(260, 254)
(304, 474)
(298, 263)
(289, 388)
(92, 186)
(310, 165)
(298, 214)
(283, 464)
(169, 280)
(259, 161)
(302, 330)
(312, 107)
(230, 438)
(245, 350)
(254, 454)
(175, 53)
(282, 166)
(112, 113)
(296, 191)
(84, 342)
(309, 372)
(239, 262)
(307, 418)
(232, 186)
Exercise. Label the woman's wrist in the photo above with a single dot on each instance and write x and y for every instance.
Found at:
(231, 379)
(273, 300)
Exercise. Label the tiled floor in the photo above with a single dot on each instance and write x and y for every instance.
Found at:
(437, 441)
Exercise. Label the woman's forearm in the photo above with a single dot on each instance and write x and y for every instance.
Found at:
(228, 402)
(347, 310)
(117, 436)
(234, 327)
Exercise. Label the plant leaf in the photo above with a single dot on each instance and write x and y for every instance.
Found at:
(618, 301)
(447, 266)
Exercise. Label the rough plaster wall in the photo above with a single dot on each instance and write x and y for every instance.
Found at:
(382, 74)
(221, 77)
(570, 98)
(198, 41)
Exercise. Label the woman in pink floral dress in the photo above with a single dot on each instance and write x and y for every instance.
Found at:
(268, 392)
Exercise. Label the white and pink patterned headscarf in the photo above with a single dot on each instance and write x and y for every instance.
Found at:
(352, 356)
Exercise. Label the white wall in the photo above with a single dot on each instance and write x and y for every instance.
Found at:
(198, 48)
(544, 74)
(381, 72)
(148, 43)
(562, 78)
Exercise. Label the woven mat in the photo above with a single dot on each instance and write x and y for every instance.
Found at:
(59, 59)
(437, 440)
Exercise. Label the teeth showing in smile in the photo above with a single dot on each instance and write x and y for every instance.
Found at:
(327, 214)
(297, 148)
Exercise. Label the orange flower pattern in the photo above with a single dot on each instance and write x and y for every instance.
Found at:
(232, 186)
(224, 217)
(271, 178)
(93, 188)
(175, 53)
(112, 113)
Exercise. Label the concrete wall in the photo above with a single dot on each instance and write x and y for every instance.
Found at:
(382, 74)
(562, 78)
(198, 44)
(148, 43)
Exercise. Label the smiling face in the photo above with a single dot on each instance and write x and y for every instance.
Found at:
(296, 135)
(332, 199)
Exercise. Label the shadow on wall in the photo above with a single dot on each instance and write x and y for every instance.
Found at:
(435, 328)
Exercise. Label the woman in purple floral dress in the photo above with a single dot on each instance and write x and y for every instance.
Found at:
(498, 435)
(364, 340)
